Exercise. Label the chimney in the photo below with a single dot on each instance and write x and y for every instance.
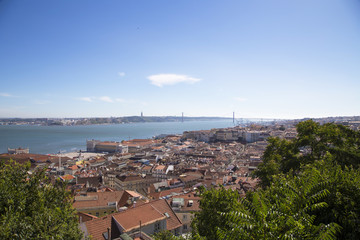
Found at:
(140, 230)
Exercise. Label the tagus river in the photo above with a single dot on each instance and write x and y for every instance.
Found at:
(52, 139)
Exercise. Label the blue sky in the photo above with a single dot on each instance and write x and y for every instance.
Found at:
(267, 59)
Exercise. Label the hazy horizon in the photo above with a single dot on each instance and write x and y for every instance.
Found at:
(185, 117)
(275, 59)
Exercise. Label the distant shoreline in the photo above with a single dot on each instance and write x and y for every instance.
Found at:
(150, 119)
(101, 121)
(48, 139)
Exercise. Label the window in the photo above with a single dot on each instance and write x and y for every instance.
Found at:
(105, 235)
(184, 217)
(157, 227)
(97, 214)
(185, 227)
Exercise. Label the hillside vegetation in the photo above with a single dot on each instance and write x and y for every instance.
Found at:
(309, 189)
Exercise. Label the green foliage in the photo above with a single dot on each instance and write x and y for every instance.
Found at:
(212, 204)
(166, 235)
(32, 208)
(333, 153)
(283, 211)
(344, 195)
(280, 156)
(313, 142)
(310, 190)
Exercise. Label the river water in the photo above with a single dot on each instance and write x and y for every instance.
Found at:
(52, 139)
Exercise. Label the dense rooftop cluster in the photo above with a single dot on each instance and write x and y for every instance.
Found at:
(143, 186)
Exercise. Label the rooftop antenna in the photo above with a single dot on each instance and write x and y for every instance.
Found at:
(234, 117)
(182, 117)
(142, 115)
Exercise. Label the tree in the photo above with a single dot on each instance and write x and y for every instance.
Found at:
(343, 200)
(32, 208)
(280, 156)
(166, 235)
(313, 142)
(281, 216)
(213, 202)
(310, 190)
(285, 210)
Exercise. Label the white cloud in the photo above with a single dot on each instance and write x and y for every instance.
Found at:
(240, 99)
(5, 95)
(106, 99)
(119, 100)
(170, 79)
(103, 98)
(86, 99)
(121, 74)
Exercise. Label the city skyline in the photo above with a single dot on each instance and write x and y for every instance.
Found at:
(259, 59)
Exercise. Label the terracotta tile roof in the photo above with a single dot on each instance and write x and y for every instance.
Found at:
(157, 148)
(97, 227)
(140, 142)
(129, 178)
(134, 194)
(148, 213)
(172, 222)
(67, 177)
(84, 217)
(189, 178)
(93, 181)
(24, 157)
(74, 167)
(96, 199)
(108, 143)
(160, 167)
(157, 195)
(124, 200)
(130, 219)
(195, 206)
(147, 168)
